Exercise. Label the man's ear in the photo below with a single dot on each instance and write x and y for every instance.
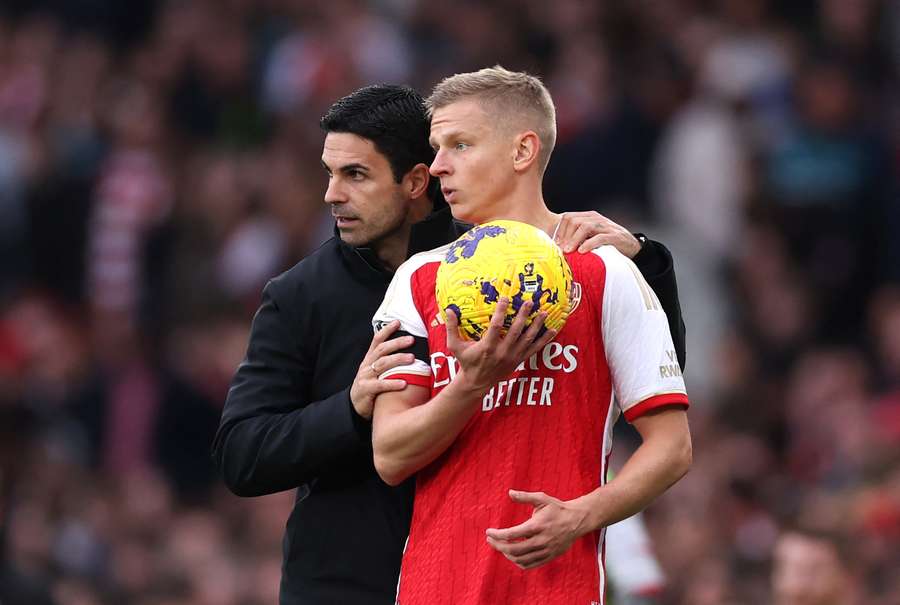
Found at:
(527, 150)
(415, 182)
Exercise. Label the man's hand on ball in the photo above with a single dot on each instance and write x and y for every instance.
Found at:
(496, 355)
(381, 357)
(553, 527)
(584, 231)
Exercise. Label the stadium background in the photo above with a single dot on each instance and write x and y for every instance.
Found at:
(160, 160)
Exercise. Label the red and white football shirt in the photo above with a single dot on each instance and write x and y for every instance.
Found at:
(548, 428)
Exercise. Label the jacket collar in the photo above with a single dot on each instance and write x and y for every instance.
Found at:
(437, 229)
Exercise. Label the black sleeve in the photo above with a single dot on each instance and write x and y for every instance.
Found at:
(270, 437)
(656, 265)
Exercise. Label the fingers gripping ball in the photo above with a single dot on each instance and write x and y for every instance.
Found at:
(503, 258)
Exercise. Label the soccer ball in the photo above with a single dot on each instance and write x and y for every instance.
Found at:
(503, 258)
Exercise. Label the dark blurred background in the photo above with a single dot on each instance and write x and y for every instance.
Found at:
(159, 161)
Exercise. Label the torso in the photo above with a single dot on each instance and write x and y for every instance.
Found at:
(547, 428)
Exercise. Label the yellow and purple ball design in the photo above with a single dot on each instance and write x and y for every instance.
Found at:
(503, 258)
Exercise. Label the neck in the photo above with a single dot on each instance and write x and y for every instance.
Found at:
(392, 250)
(527, 207)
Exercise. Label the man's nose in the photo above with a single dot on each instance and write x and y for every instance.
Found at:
(335, 193)
(439, 166)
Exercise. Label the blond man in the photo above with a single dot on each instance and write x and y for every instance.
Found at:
(503, 473)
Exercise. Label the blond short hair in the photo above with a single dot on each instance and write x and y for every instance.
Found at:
(504, 93)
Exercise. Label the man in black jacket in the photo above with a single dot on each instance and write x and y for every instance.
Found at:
(298, 414)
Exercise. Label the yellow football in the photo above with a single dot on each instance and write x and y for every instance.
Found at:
(503, 258)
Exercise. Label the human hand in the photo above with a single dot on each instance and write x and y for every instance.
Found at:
(553, 527)
(496, 356)
(380, 358)
(585, 231)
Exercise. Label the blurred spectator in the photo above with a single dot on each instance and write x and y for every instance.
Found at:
(827, 181)
(810, 569)
(19, 585)
(884, 326)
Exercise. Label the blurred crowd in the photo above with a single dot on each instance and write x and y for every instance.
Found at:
(159, 161)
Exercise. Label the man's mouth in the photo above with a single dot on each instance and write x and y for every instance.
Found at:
(345, 221)
(449, 194)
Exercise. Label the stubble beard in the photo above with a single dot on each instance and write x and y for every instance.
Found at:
(380, 231)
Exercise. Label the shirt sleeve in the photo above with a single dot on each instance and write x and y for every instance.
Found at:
(656, 264)
(399, 305)
(642, 360)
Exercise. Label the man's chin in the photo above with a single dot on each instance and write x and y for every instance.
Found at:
(357, 238)
(463, 214)
(348, 236)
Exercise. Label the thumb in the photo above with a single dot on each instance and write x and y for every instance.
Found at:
(452, 322)
(532, 498)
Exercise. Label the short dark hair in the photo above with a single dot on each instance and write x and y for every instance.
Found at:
(392, 117)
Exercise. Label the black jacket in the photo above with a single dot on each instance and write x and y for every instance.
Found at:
(288, 421)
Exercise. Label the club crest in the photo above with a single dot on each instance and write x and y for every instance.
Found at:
(574, 297)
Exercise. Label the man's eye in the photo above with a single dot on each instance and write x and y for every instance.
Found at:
(462, 146)
(356, 175)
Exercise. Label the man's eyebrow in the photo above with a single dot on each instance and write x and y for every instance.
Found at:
(353, 166)
(347, 167)
(449, 134)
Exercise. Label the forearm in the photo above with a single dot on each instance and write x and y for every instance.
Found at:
(654, 467)
(270, 452)
(272, 436)
(406, 440)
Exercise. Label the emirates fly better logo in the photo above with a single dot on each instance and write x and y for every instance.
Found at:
(517, 391)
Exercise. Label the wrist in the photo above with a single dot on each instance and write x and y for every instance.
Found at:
(466, 387)
(360, 410)
(636, 245)
(595, 517)
(361, 422)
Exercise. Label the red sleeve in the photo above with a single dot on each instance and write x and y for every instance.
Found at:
(410, 378)
(656, 402)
